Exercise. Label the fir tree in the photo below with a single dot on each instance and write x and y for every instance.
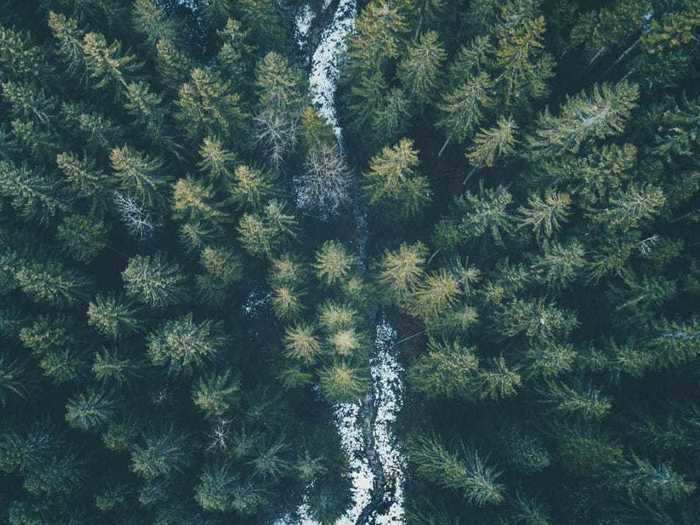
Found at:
(154, 281)
(393, 178)
(183, 344)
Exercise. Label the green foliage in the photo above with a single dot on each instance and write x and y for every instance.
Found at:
(89, 411)
(469, 475)
(584, 118)
(308, 267)
(154, 281)
(393, 179)
(83, 237)
(341, 383)
(216, 394)
(445, 370)
(113, 316)
(160, 455)
(333, 263)
(182, 344)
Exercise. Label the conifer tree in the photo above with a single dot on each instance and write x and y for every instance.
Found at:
(154, 281)
(113, 316)
(31, 194)
(208, 106)
(161, 454)
(446, 371)
(380, 28)
(82, 237)
(106, 63)
(392, 178)
(419, 71)
(69, 39)
(89, 410)
(341, 383)
(183, 344)
(333, 263)
(464, 106)
(402, 269)
(584, 118)
(84, 176)
(476, 481)
(151, 20)
(138, 174)
(19, 57)
(216, 394)
(493, 143)
(281, 104)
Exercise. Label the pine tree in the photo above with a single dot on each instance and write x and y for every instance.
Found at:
(216, 394)
(106, 63)
(560, 264)
(485, 213)
(151, 21)
(654, 483)
(437, 292)
(183, 344)
(50, 282)
(19, 57)
(281, 104)
(82, 237)
(464, 106)
(499, 381)
(217, 485)
(286, 303)
(333, 263)
(111, 367)
(113, 316)
(162, 454)
(380, 28)
(301, 344)
(89, 410)
(84, 176)
(402, 269)
(195, 201)
(545, 215)
(493, 143)
(69, 39)
(208, 107)
(392, 178)
(263, 234)
(31, 194)
(525, 67)
(333, 316)
(341, 383)
(250, 187)
(145, 106)
(588, 403)
(476, 481)
(584, 118)
(216, 160)
(138, 174)
(537, 319)
(174, 65)
(154, 281)
(13, 380)
(445, 371)
(419, 71)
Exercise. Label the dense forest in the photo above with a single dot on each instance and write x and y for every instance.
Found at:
(431, 262)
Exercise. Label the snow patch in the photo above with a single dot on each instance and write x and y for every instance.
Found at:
(326, 60)
(303, 21)
(386, 378)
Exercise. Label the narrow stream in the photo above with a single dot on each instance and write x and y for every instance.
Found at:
(365, 428)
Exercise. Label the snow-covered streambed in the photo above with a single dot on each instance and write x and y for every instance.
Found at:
(365, 429)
